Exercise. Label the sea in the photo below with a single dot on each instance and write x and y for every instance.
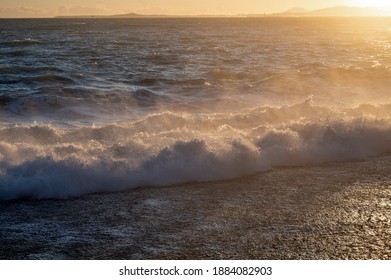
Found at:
(107, 105)
(195, 138)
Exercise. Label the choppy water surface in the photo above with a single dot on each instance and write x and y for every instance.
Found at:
(92, 105)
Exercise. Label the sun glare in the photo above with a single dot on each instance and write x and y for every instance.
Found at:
(372, 3)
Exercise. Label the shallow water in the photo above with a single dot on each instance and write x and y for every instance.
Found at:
(330, 211)
(101, 105)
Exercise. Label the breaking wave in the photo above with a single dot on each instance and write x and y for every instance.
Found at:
(46, 161)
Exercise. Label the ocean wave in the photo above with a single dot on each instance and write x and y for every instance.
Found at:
(41, 79)
(158, 58)
(226, 74)
(47, 161)
(18, 69)
(49, 78)
(355, 75)
(57, 100)
(15, 53)
(23, 42)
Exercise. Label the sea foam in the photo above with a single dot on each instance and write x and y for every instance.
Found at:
(46, 161)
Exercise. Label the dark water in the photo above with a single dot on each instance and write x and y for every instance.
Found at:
(92, 105)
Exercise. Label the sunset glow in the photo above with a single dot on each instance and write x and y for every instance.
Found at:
(372, 3)
(46, 8)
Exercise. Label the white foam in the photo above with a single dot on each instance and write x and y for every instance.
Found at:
(45, 161)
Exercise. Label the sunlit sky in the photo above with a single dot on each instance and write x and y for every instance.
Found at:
(49, 8)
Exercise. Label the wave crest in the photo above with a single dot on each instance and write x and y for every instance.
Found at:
(46, 161)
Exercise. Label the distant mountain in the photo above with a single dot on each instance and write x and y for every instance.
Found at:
(130, 15)
(337, 12)
(297, 10)
(350, 11)
(134, 15)
(340, 11)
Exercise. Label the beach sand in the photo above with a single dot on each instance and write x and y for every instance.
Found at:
(329, 211)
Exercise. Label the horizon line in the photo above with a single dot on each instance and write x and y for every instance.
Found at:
(287, 13)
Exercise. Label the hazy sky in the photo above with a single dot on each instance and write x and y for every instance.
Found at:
(48, 8)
